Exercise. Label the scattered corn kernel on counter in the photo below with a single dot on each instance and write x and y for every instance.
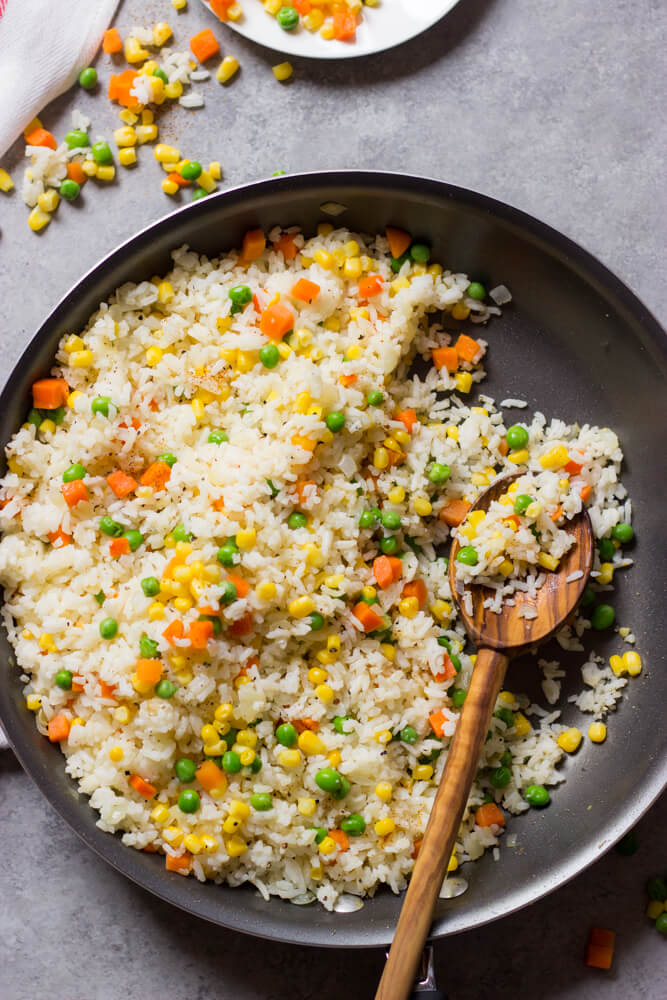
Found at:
(223, 531)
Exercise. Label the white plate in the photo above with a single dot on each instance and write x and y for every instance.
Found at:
(383, 27)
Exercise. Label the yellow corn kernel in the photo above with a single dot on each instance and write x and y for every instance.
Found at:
(33, 702)
(606, 573)
(81, 359)
(225, 71)
(78, 721)
(209, 843)
(282, 71)
(396, 495)
(453, 432)
(38, 219)
(327, 846)
(334, 581)
(206, 182)
(116, 754)
(127, 157)
(352, 268)
(324, 259)
(169, 187)
(241, 681)
(402, 437)
(564, 485)
(182, 604)
(546, 561)
(147, 116)
(368, 593)
(453, 862)
(231, 824)
(422, 506)
(146, 133)
(46, 427)
(463, 381)
(556, 458)
(246, 754)
(570, 740)
(306, 806)
(506, 568)
(654, 909)
(173, 90)
(239, 809)
(314, 555)
(247, 738)
(310, 743)
(198, 408)
(521, 724)
(72, 398)
(160, 814)
(507, 697)
(289, 758)
(332, 324)
(179, 4)
(125, 136)
(380, 458)
(301, 607)
(388, 651)
(89, 168)
(384, 790)
(534, 509)
(46, 643)
(161, 33)
(316, 872)
(422, 772)
(327, 32)
(460, 311)
(246, 538)
(325, 657)
(385, 826)
(134, 51)
(324, 693)
(441, 610)
(208, 733)
(153, 356)
(317, 676)
(156, 611)
(73, 343)
(169, 541)
(335, 758)
(6, 183)
(408, 607)
(266, 591)
(519, 457)
(333, 644)
(235, 846)
(128, 117)
(324, 229)
(166, 154)
(122, 714)
(105, 172)
(597, 732)
(48, 200)
(383, 736)
(284, 350)
(632, 662)
(173, 835)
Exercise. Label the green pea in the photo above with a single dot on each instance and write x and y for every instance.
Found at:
(354, 825)
(261, 801)
(661, 923)
(391, 520)
(335, 421)
(150, 586)
(476, 291)
(188, 801)
(101, 405)
(439, 473)
(191, 170)
(316, 621)
(500, 777)
(458, 697)
(35, 417)
(217, 437)
(102, 153)
(537, 795)
(109, 628)
(516, 436)
(69, 189)
(344, 789)
(77, 139)
(588, 597)
(320, 834)
(467, 555)
(180, 534)
(623, 533)
(603, 617)
(287, 18)
(256, 765)
(328, 779)
(367, 519)
(185, 770)
(506, 715)
(227, 555)
(606, 549)
(297, 520)
(408, 735)
(100, 597)
(110, 527)
(656, 888)
(286, 734)
(134, 537)
(269, 355)
(196, 195)
(420, 253)
(628, 845)
(389, 545)
(229, 739)
(161, 75)
(64, 679)
(148, 648)
(278, 173)
(240, 295)
(76, 471)
(228, 592)
(231, 762)
(398, 262)
(522, 502)
(88, 78)
(57, 415)
(168, 457)
(165, 689)
(338, 724)
(375, 398)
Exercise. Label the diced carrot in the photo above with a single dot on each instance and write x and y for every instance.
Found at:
(305, 290)
(436, 720)
(111, 41)
(489, 815)
(600, 948)
(119, 547)
(367, 618)
(120, 85)
(370, 285)
(156, 475)
(601, 937)
(178, 862)
(174, 630)
(445, 357)
(219, 504)
(574, 468)
(448, 670)
(557, 514)
(75, 172)
(416, 847)
(341, 839)
(242, 586)
(395, 457)
(468, 349)
(41, 137)
(416, 588)
(49, 393)
(344, 25)
(121, 483)
(59, 539)
(221, 8)
(513, 519)
(209, 776)
(303, 6)
(77, 683)
(58, 728)
(106, 690)
(242, 626)
(382, 571)
(347, 380)
(207, 610)
(503, 447)
(306, 723)
(304, 490)
(585, 492)
(286, 246)
(398, 240)
(408, 418)
(144, 788)
(148, 671)
(199, 633)
(204, 45)
(454, 512)
(177, 179)
(74, 492)
(150, 849)
(253, 246)
(276, 321)
(396, 567)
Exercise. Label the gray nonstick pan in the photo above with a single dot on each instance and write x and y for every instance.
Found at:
(574, 342)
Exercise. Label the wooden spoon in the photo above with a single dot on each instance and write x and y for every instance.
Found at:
(498, 637)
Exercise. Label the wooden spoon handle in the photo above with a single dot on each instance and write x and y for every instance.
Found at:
(443, 825)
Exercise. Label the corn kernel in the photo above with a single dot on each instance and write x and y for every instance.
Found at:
(105, 172)
(310, 743)
(122, 714)
(316, 675)
(422, 772)
(335, 758)
(460, 311)
(301, 607)
(334, 581)
(352, 268)
(206, 182)
(316, 870)
(570, 740)
(380, 458)
(441, 610)
(546, 561)
(235, 846)
(383, 736)
(396, 495)
(422, 506)
(33, 702)
(78, 721)
(324, 693)
(6, 183)
(48, 200)
(116, 754)
(173, 90)
(556, 458)
(246, 539)
(506, 568)
(385, 826)
(235, 12)
(198, 409)
(227, 69)
(156, 611)
(463, 381)
(208, 733)
(402, 437)
(453, 862)
(146, 133)
(327, 846)
(333, 644)
(215, 170)
(247, 737)
(239, 809)
(519, 457)
(388, 651)
(632, 662)
(408, 607)
(73, 343)
(606, 574)
(127, 157)
(284, 350)
(247, 756)
(153, 356)
(521, 724)
(160, 814)
(182, 604)
(654, 909)
(289, 758)
(161, 33)
(327, 32)
(314, 555)
(597, 732)
(169, 187)
(231, 824)
(179, 4)
(46, 643)
(166, 154)
(173, 835)
(266, 591)
(46, 427)
(241, 681)
(398, 285)
(125, 136)
(89, 168)
(72, 398)
(282, 71)
(209, 843)
(384, 790)
(306, 806)
(324, 259)
(38, 219)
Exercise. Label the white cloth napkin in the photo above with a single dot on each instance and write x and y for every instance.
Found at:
(43, 46)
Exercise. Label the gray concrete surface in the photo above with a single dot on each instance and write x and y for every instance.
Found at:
(555, 108)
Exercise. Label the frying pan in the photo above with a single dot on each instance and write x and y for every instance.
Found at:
(574, 343)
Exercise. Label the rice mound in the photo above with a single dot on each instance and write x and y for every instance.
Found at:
(175, 363)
